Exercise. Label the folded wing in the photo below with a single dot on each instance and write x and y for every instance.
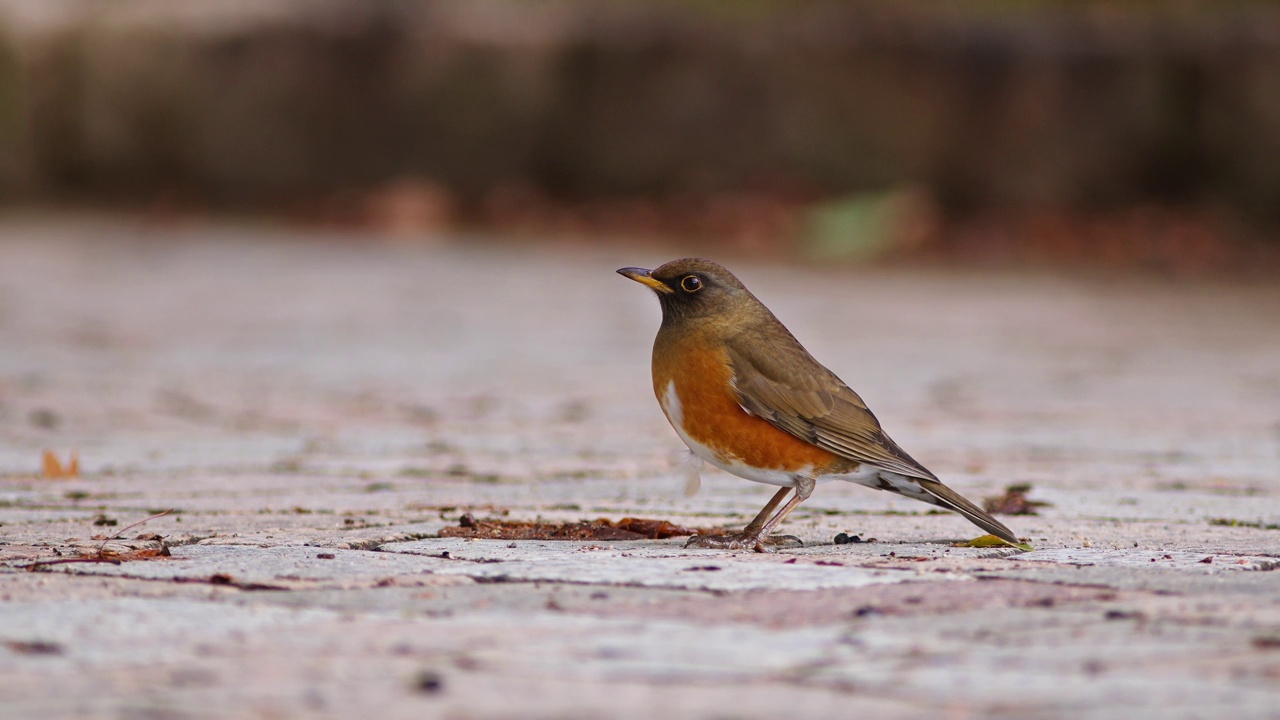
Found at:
(784, 385)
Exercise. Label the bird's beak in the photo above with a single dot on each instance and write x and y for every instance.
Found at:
(643, 277)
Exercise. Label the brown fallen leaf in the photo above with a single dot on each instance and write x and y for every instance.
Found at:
(55, 470)
(601, 529)
(138, 554)
(1014, 501)
(655, 529)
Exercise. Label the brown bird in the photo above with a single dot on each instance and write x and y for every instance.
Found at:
(746, 396)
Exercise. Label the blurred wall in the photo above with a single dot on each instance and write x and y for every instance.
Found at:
(999, 104)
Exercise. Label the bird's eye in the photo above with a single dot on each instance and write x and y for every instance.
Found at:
(691, 284)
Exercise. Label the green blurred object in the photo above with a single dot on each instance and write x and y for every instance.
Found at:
(852, 227)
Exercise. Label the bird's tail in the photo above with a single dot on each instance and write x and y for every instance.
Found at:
(952, 500)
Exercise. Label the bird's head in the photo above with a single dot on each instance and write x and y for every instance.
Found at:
(693, 288)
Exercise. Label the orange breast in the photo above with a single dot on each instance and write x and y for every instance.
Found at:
(710, 413)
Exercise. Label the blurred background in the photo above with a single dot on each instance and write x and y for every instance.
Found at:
(1124, 135)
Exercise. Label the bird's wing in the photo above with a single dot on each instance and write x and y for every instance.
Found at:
(782, 383)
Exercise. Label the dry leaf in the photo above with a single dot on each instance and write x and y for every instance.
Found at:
(54, 469)
(1014, 502)
(984, 541)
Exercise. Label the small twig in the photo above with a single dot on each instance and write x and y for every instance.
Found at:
(101, 555)
(127, 528)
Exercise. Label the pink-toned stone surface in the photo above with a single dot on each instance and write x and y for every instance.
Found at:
(316, 409)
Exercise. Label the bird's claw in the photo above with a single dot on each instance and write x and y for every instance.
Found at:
(783, 541)
(744, 542)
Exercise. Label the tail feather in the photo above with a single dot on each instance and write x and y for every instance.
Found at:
(952, 500)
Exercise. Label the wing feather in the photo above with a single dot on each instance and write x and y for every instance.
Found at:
(783, 384)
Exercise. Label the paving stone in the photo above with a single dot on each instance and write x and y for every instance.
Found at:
(1196, 562)
(644, 565)
(273, 567)
(290, 399)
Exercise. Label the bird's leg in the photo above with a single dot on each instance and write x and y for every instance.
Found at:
(748, 537)
(762, 517)
(804, 488)
(756, 534)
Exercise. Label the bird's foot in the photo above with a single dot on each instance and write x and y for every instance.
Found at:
(744, 541)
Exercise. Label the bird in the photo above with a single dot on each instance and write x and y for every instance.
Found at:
(744, 395)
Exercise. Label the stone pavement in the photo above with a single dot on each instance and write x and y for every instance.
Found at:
(317, 409)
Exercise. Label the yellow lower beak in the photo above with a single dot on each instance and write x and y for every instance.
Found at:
(643, 277)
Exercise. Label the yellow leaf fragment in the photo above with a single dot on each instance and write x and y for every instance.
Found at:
(984, 541)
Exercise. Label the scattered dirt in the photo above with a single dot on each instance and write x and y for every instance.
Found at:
(428, 682)
(103, 554)
(33, 647)
(1014, 501)
(1257, 525)
(600, 529)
